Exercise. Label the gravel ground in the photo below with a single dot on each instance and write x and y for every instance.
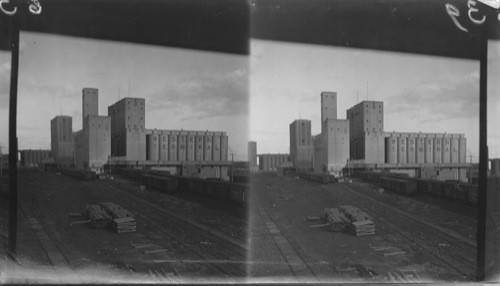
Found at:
(330, 255)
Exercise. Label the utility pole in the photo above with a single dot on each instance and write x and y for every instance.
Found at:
(1, 161)
(232, 166)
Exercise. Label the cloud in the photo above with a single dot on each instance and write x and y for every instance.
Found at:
(204, 96)
(440, 99)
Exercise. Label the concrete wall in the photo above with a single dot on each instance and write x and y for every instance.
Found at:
(446, 151)
(438, 147)
(271, 162)
(411, 152)
(420, 150)
(336, 143)
(208, 147)
(172, 146)
(224, 148)
(127, 113)
(319, 158)
(135, 145)
(364, 117)
(90, 102)
(252, 156)
(216, 148)
(31, 158)
(374, 145)
(152, 150)
(495, 167)
(402, 151)
(62, 141)
(181, 146)
(462, 150)
(328, 105)
(391, 149)
(301, 148)
(454, 150)
(200, 147)
(163, 147)
(191, 144)
(97, 136)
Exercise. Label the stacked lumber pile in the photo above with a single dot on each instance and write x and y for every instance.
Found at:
(123, 220)
(336, 219)
(99, 218)
(361, 223)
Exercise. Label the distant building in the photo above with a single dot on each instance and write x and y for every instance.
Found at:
(301, 147)
(183, 152)
(32, 158)
(367, 131)
(495, 167)
(331, 147)
(252, 156)
(271, 162)
(93, 142)
(128, 136)
(61, 140)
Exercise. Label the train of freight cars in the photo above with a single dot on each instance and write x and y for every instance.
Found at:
(164, 182)
(454, 191)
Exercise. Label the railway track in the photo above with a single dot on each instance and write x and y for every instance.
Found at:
(454, 252)
(228, 258)
(295, 260)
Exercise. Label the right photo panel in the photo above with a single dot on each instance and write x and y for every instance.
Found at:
(366, 157)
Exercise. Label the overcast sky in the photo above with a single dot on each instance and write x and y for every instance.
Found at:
(184, 89)
(420, 93)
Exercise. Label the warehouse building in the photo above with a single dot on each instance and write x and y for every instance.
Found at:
(61, 140)
(331, 147)
(301, 147)
(271, 162)
(184, 152)
(32, 158)
(426, 155)
(93, 142)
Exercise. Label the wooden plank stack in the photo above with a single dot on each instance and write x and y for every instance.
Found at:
(123, 220)
(361, 223)
(363, 227)
(99, 218)
(336, 219)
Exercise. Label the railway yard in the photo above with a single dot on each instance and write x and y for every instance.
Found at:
(178, 238)
(417, 239)
(279, 235)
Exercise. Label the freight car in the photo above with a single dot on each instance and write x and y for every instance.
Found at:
(316, 177)
(219, 190)
(161, 183)
(85, 175)
(399, 185)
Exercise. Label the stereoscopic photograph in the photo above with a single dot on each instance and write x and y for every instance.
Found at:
(231, 141)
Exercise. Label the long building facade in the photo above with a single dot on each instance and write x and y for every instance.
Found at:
(184, 152)
(271, 162)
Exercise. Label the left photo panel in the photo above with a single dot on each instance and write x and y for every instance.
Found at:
(131, 127)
